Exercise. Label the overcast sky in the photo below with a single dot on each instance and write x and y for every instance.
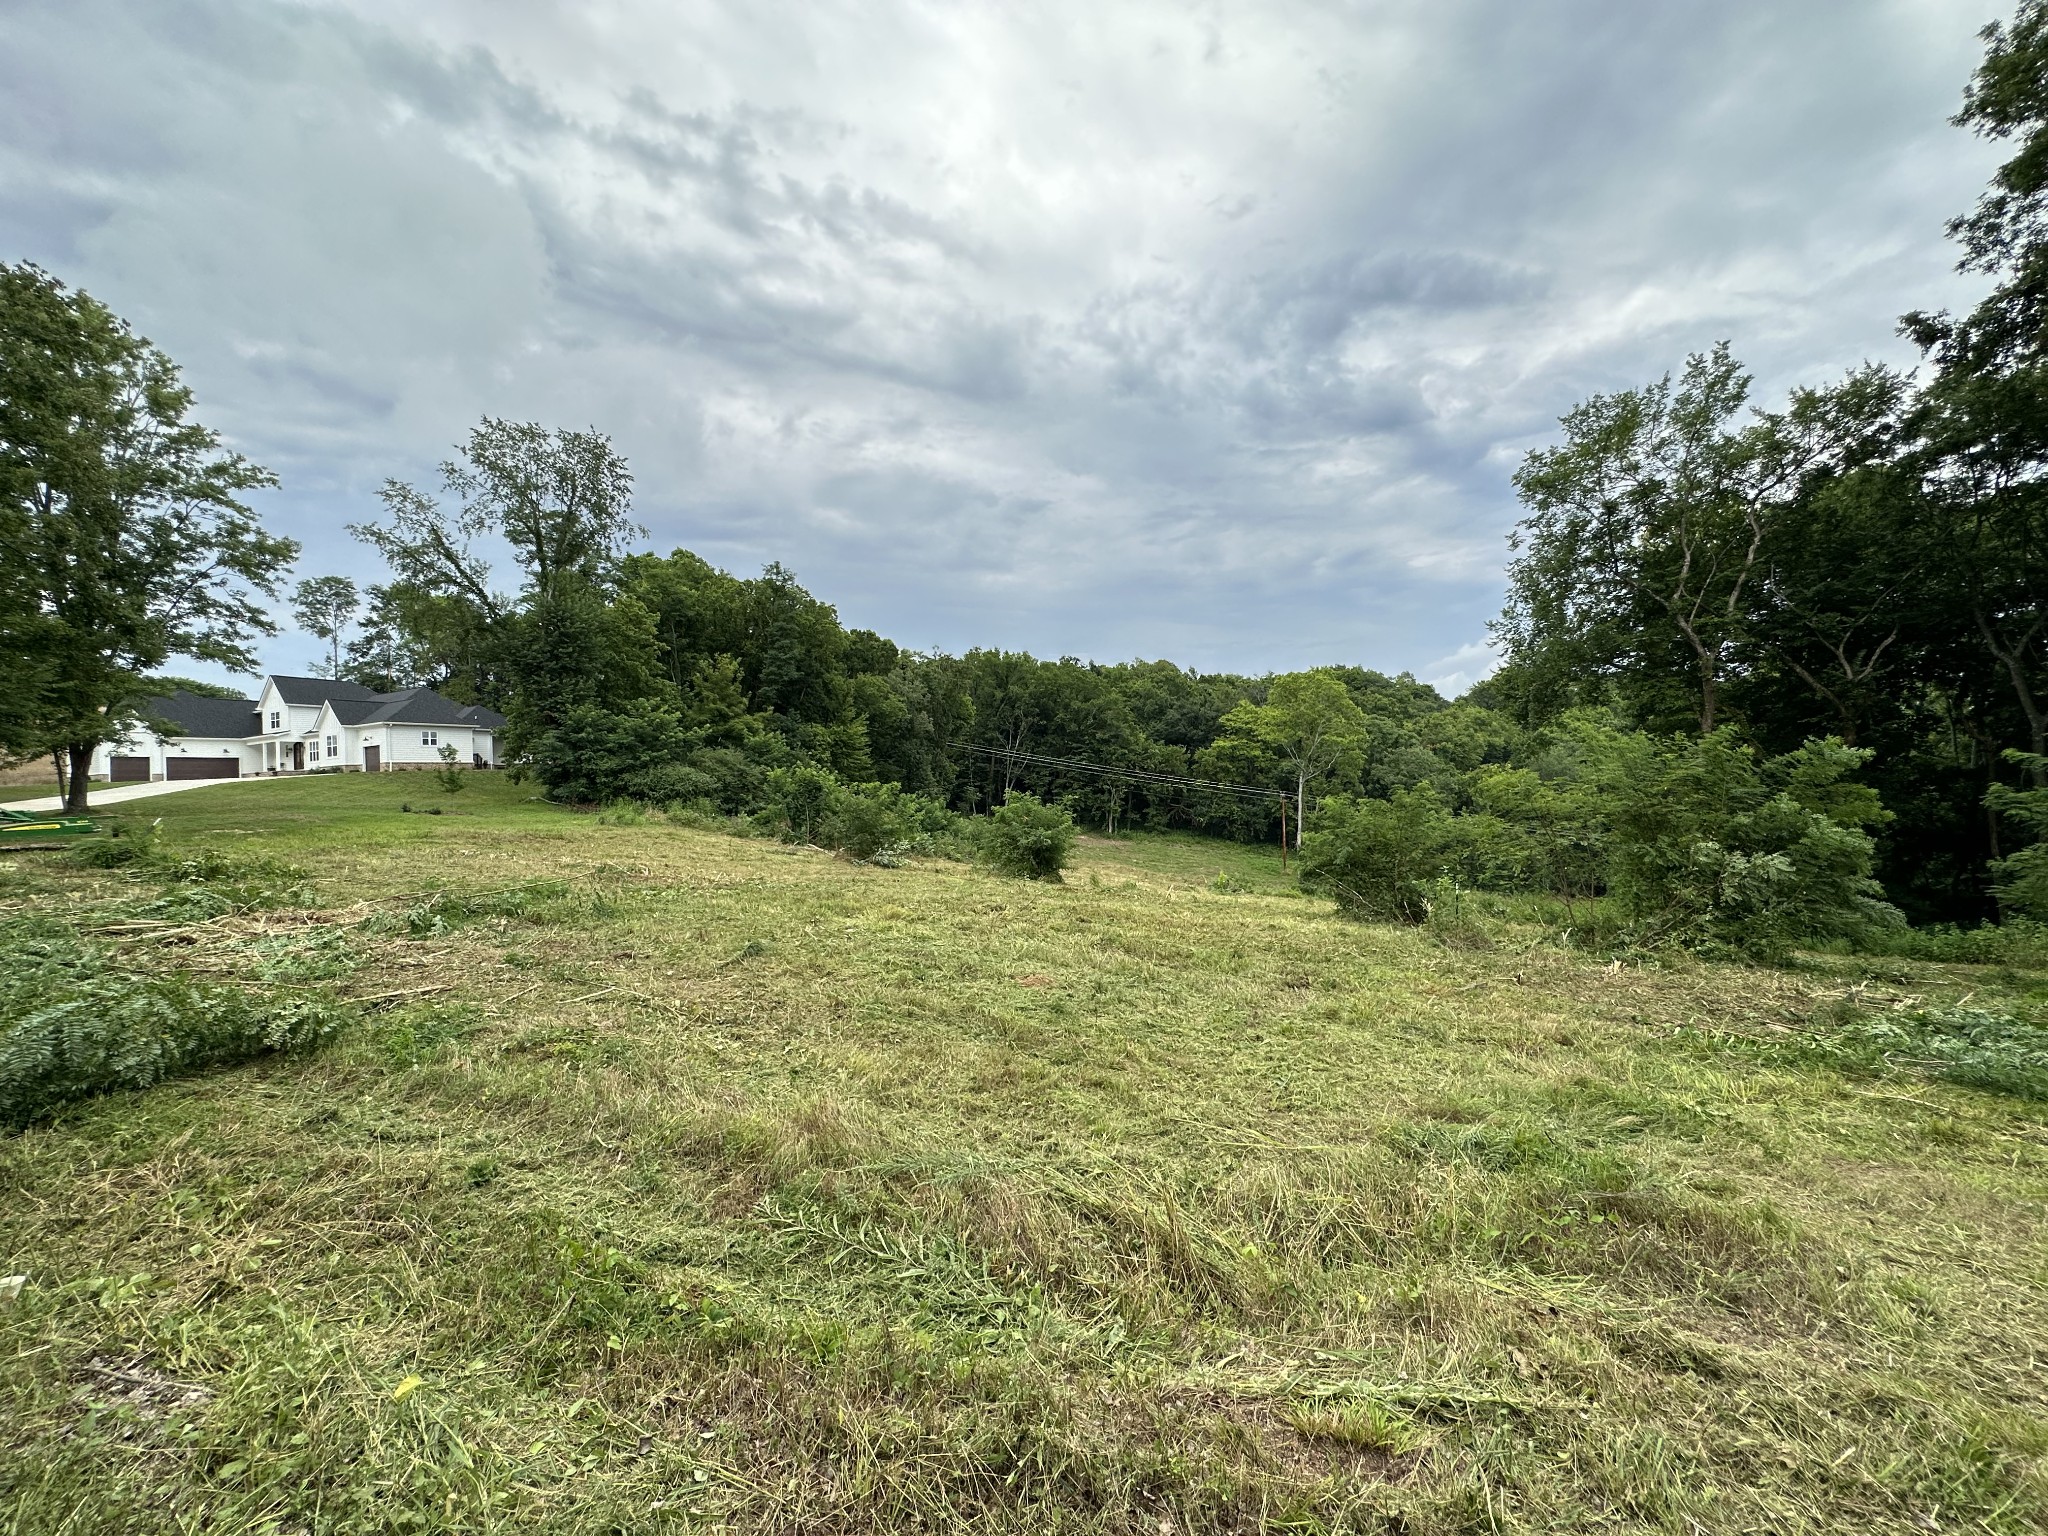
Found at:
(1205, 331)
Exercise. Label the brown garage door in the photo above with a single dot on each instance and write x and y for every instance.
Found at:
(202, 767)
(127, 770)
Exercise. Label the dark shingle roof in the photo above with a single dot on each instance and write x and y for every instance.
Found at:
(423, 706)
(318, 690)
(407, 706)
(197, 715)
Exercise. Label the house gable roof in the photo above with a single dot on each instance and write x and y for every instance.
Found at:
(353, 704)
(423, 706)
(318, 690)
(196, 714)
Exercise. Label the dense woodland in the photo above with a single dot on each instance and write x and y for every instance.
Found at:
(1776, 672)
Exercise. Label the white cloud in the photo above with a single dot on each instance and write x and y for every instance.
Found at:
(1209, 331)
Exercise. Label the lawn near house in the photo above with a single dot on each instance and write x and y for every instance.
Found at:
(671, 1181)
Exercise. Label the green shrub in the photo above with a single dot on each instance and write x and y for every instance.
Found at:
(1379, 858)
(866, 820)
(598, 755)
(1716, 850)
(449, 774)
(799, 799)
(2016, 941)
(72, 1025)
(1027, 838)
(2021, 878)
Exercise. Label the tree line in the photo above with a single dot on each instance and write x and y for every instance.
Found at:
(1772, 673)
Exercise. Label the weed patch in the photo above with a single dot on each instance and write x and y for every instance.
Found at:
(1973, 1047)
(444, 911)
(74, 1023)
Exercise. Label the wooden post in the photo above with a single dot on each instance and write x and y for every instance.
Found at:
(1283, 834)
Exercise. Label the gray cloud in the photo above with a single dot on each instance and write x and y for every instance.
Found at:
(1209, 332)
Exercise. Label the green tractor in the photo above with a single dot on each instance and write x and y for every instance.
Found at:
(31, 829)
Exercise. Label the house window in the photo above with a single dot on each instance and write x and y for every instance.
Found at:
(273, 719)
(430, 738)
(313, 752)
(333, 747)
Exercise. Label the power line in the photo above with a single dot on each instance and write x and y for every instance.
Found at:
(1136, 775)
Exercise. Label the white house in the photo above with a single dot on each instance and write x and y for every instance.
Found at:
(298, 725)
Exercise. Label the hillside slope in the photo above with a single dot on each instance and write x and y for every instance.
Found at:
(677, 1181)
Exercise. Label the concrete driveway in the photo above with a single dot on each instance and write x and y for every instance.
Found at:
(115, 794)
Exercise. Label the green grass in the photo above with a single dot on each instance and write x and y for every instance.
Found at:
(674, 1181)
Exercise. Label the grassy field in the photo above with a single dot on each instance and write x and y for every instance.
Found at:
(678, 1181)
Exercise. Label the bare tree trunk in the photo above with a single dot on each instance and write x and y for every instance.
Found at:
(2014, 658)
(61, 761)
(1300, 804)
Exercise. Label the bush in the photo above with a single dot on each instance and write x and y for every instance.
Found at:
(449, 774)
(732, 780)
(71, 1026)
(800, 798)
(598, 755)
(865, 820)
(1379, 858)
(2021, 878)
(1715, 850)
(1027, 838)
(2016, 941)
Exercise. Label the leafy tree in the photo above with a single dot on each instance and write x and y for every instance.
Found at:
(1563, 819)
(121, 524)
(160, 684)
(1983, 420)
(449, 774)
(563, 501)
(867, 820)
(800, 798)
(410, 637)
(1841, 614)
(1647, 534)
(327, 607)
(1310, 722)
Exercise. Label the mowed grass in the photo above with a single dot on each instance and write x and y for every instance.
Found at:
(716, 1185)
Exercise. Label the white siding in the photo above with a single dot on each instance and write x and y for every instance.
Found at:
(405, 745)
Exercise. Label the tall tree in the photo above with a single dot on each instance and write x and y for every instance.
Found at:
(1985, 415)
(327, 607)
(124, 532)
(1311, 721)
(1646, 535)
(563, 501)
